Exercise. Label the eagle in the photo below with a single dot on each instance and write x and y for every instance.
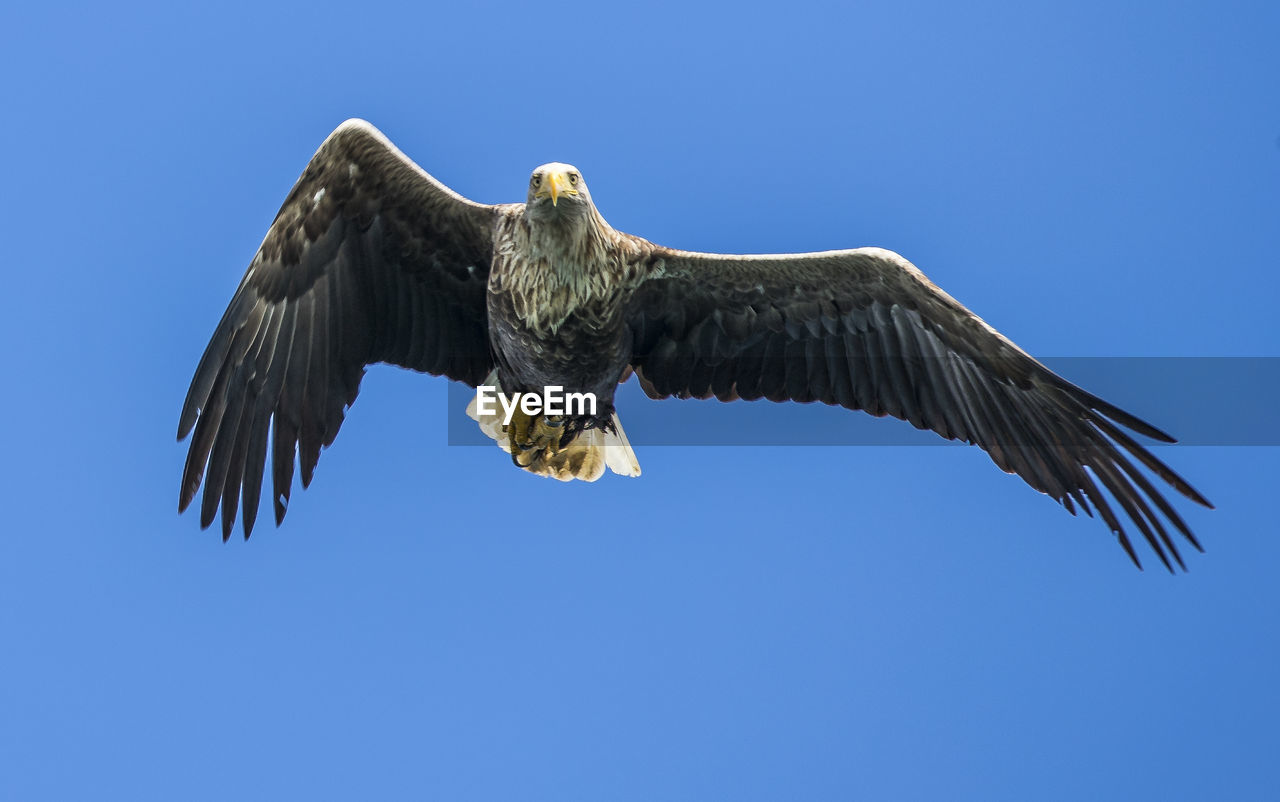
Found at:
(370, 260)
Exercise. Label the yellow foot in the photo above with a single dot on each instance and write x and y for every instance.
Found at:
(534, 437)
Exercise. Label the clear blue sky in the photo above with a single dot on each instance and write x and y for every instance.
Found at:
(1101, 179)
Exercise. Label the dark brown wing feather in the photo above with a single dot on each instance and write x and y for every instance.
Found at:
(865, 329)
(369, 260)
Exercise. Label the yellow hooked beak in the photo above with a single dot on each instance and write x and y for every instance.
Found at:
(556, 184)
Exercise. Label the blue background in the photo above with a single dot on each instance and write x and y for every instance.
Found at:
(1095, 179)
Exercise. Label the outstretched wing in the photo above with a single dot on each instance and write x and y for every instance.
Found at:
(369, 260)
(865, 329)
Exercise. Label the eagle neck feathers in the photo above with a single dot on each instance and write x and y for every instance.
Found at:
(551, 270)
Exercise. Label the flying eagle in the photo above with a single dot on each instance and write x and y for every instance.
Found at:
(370, 259)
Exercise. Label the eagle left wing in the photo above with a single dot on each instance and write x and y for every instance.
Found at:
(369, 259)
(865, 329)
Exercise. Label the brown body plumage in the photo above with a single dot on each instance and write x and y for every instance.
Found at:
(372, 260)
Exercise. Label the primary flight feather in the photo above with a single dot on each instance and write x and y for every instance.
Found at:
(370, 259)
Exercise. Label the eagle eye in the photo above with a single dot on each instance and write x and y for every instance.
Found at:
(573, 179)
(536, 180)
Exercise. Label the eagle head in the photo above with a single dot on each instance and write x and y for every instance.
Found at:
(557, 191)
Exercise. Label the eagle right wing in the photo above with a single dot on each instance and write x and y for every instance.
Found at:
(370, 259)
(865, 329)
